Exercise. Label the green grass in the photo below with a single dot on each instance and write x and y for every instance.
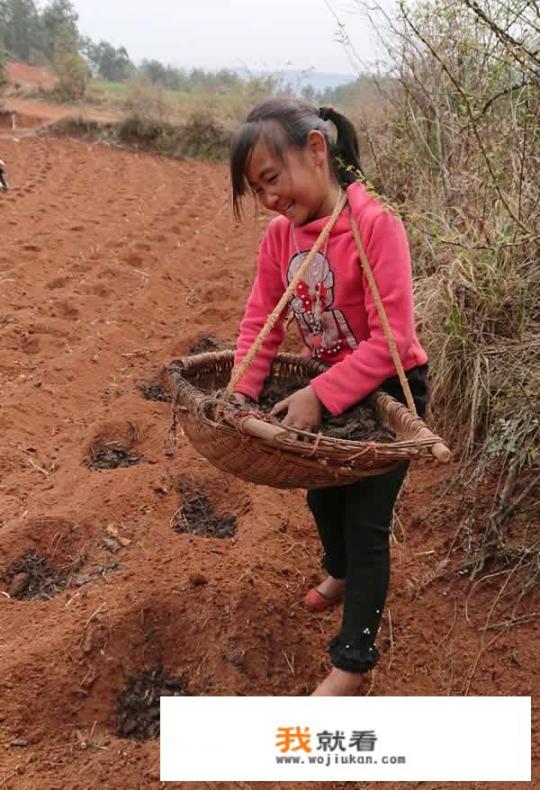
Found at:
(178, 105)
(123, 89)
(108, 88)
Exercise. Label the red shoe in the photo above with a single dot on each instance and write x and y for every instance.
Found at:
(316, 601)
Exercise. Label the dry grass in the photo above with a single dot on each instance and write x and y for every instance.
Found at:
(454, 145)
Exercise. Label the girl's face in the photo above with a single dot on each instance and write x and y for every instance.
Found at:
(300, 187)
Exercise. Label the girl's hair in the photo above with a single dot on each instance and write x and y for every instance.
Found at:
(282, 123)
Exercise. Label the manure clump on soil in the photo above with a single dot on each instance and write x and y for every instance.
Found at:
(31, 577)
(197, 516)
(111, 456)
(155, 392)
(137, 712)
(204, 343)
(357, 424)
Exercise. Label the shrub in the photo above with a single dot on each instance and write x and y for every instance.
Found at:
(72, 70)
(147, 102)
(203, 137)
(83, 128)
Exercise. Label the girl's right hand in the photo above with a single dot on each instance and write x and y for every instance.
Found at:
(239, 399)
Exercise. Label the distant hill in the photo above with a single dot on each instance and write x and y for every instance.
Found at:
(319, 80)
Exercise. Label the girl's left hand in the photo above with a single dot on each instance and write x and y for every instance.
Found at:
(304, 410)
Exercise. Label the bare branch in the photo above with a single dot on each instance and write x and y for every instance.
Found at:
(503, 35)
(470, 113)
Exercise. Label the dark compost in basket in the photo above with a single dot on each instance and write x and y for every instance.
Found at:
(243, 442)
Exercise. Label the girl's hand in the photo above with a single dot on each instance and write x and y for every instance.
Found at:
(304, 410)
(241, 400)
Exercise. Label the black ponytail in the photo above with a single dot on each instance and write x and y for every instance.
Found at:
(285, 122)
(345, 151)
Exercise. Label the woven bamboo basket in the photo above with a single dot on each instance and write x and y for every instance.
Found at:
(258, 450)
(244, 444)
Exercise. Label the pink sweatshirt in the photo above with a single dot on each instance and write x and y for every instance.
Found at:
(333, 305)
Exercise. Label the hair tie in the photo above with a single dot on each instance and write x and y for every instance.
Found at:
(325, 112)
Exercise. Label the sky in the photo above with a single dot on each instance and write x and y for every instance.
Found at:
(262, 35)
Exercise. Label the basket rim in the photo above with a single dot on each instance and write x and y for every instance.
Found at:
(325, 442)
(233, 417)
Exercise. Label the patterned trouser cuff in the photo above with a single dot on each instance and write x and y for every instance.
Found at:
(353, 655)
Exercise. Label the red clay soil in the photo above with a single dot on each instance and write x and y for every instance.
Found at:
(111, 264)
(19, 73)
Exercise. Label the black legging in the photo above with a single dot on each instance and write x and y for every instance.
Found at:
(354, 524)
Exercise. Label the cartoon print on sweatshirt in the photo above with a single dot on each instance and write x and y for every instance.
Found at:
(325, 331)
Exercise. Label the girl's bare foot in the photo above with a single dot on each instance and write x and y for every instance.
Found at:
(340, 684)
(332, 588)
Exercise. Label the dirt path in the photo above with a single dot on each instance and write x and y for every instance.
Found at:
(111, 264)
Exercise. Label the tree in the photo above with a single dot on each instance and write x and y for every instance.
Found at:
(107, 61)
(309, 93)
(71, 68)
(58, 18)
(154, 71)
(3, 61)
(20, 31)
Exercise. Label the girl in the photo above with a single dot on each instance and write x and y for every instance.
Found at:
(285, 155)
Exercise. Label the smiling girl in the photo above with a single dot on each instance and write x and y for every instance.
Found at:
(285, 155)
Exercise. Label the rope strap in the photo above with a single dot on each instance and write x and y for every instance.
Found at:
(276, 312)
(387, 329)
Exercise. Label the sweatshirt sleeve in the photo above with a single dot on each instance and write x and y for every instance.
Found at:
(265, 294)
(364, 369)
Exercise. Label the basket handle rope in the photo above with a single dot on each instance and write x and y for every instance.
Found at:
(387, 329)
(276, 312)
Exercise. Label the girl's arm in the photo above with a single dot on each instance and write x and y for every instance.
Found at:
(362, 371)
(265, 294)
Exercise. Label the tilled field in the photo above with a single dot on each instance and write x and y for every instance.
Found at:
(130, 567)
